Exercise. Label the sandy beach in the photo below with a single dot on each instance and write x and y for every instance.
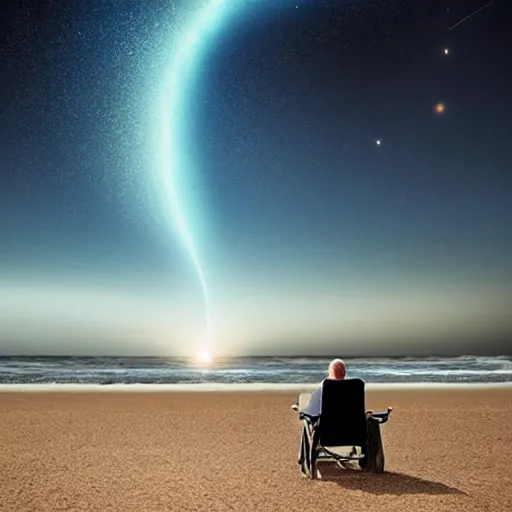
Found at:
(209, 451)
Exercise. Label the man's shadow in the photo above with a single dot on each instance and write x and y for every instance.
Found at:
(382, 483)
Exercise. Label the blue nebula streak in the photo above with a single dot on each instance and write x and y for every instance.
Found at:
(171, 151)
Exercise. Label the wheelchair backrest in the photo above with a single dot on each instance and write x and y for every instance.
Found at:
(343, 413)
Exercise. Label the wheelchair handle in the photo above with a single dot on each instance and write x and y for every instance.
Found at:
(381, 417)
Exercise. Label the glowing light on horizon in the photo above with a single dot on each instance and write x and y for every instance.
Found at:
(170, 147)
(205, 356)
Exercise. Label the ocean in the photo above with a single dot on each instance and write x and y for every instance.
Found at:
(257, 370)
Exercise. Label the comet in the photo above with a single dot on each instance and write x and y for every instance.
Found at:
(172, 164)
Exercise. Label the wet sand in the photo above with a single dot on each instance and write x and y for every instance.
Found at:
(216, 451)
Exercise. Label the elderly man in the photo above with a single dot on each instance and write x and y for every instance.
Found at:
(337, 371)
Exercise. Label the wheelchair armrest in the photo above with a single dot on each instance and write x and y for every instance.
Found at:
(312, 418)
(381, 417)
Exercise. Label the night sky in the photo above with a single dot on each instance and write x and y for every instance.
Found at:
(345, 171)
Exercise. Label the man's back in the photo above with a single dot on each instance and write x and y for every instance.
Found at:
(337, 371)
(315, 403)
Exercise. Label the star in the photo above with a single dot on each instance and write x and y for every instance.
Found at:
(378, 142)
(446, 51)
(440, 108)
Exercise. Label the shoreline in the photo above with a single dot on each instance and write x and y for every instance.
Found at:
(239, 387)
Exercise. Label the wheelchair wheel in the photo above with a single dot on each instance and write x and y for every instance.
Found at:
(379, 460)
(374, 454)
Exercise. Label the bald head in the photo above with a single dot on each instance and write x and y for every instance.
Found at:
(337, 369)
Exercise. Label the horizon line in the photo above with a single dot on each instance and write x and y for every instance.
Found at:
(259, 356)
